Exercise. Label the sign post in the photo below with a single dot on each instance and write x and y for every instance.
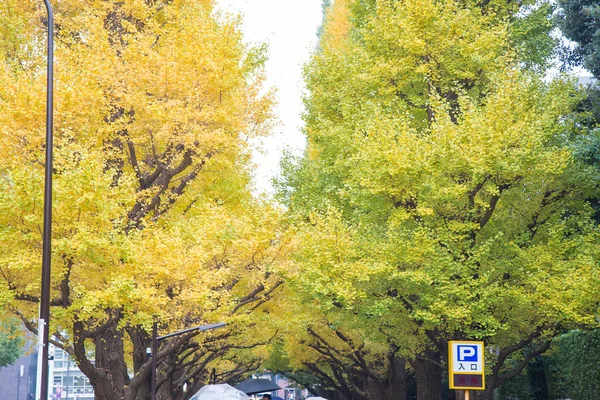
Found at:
(466, 366)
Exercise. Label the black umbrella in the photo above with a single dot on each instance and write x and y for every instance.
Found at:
(253, 386)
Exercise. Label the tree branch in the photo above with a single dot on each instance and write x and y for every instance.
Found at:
(542, 348)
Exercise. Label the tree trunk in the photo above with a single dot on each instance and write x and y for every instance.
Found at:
(396, 387)
(140, 341)
(103, 392)
(537, 379)
(100, 379)
(428, 375)
(171, 389)
(110, 356)
(487, 394)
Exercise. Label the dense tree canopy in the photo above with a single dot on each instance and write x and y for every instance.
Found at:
(449, 191)
(153, 215)
(440, 197)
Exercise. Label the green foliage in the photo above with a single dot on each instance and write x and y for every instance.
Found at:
(11, 342)
(571, 369)
(440, 197)
(580, 22)
(530, 33)
(577, 362)
(517, 388)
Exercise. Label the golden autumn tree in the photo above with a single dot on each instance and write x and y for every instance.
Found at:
(439, 198)
(153, 216)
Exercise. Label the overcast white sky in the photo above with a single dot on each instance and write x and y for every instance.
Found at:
(290, 28)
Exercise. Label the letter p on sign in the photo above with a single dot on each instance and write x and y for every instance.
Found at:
(467, 353)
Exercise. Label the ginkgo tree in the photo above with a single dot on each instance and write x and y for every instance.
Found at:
(153, 217)
(439, 198)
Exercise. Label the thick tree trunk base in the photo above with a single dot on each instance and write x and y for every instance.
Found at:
(429, 376)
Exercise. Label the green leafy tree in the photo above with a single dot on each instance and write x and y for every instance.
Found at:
(439, 198)
(579, 20)
(568, 371)
(576, 365)
(11, 342)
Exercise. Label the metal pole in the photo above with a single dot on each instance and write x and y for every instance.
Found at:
(68, 373)
(200, 328)
(44, 320)
(154, 357)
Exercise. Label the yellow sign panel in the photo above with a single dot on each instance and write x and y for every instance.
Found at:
(466, 365)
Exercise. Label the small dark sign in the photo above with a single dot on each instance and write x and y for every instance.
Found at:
(468, 381)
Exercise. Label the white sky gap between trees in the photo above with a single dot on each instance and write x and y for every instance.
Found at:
(289, 27)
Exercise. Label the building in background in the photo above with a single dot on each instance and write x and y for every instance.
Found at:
(68, 382)
(290, 390)
(17, 381)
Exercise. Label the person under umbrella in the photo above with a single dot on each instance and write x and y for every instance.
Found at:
(253, 386)
(219, 392)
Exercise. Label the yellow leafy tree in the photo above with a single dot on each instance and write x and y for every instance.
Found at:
(153, 215)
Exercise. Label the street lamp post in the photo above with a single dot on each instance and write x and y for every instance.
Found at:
(44, 321)
(156, 338)
(68, 374)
